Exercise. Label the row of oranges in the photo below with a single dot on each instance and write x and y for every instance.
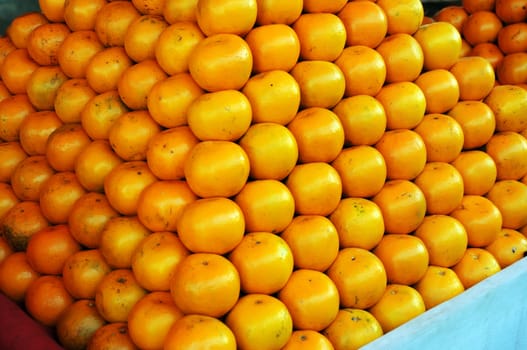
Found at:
(257, 174)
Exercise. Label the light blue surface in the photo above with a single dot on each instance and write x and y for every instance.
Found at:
(490, 315)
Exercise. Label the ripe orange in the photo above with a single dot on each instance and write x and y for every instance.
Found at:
(112, 335)
(477, 121)
(141, 36)
(7, 201)
(179, 11)
(276, 11)
(46, 299)
(441, 44)
(512, 38)
(106, 68)
(76, 51)
(16, 275)
(331, 6)
(490, 51)
(12, 153)
(438, 285)
(307, 339)
(154, 7)
(113, 20)
(44, 41)
(43, 85)
(83, 271)
(22, 221)
(454, 14)
(510, 196)
(29, 176)
(475, 77)
(509, 103)
(404, 104)
(508, 149)
(403, 56)
(21, 27)
(363, 17)
(509, 247)
(65, 144)
(476, 265)
(35, 130)
(472, 6)
(512, 69)
(226, 16)
(403, 16)
(441, 90)
(511, 11)
(13, 110)
(100, 113)
(82, 14)
(70, 99)
(21, 66)
(481, 26)
(442, 135)
(478, 171)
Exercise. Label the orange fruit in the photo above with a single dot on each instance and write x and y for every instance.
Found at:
(226, 16)
(13, 110)
(43, 42)
(113, 335)
(100, 113)
(58, 196)
(307, 339)
(512, 38)
(81, 14)
(510, 198)
(12, 153)
(176, 10)
(76, 51)
(7, 201)
(112, 22)
(472, 6)
(508, 150)
(440, 88)
(83, 271)
(511, 11)
(276, 11)
(65, 144)
(331, 6)
(476, 265)
(455, 14)
(43, 85)
(512, 69)
(22, 221)
(106, 68)
(70, 99)
(509, 247)
(21, 27)
(439, 39)
(154, 7)
(35, 130)
(29, 176)
(15, 276)
(509, 103)
(477, 121)
(141, 36)
(481, 26)
(403, 56)
(438, 285)
(478, 171)
(46, 299)
(21, 66)
(402, 16)
(490, 51)
(363, 17)
(442, 135)
(475, 77)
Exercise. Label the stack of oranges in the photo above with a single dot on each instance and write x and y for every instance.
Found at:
(257, 174)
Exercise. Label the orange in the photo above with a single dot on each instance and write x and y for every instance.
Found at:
(174, 45)
(404, 104)
(509, 103)
(399, 304)
(83, 271)
(402, 16)
(476, 265)
(70, 99)
(169, 99)
(490, 51)
(322, 83)
(307, 339)
(352, 329)
(29, 176)
(141, 36)
(445, 239)
(442, 135)
(478, 171)
(260, 321)
(221, 61)
(361, 17)
(358, 287)
(88, 217)
(311, 298)
(167, 150)
(8, 201)
(512, 38)
(272, 150)
(35, 130)
(124, 183)
(116, 295)
(274, 47)
(78, 323)
(313, 240)
(364, 70)
(403, 56)
(112, 22)
(441, 90)
(82, 14)
(226, 16)
(442, 186)
(22, 221)
(6, 46)
(481, 26)
(330, 6)
(119, 239)
(43, 42)
(206, 284)
(472, 6)
(508, 150)
(100, 113)
(211, 225)
(12, 153)
(359, 223)
(21, 65)
(511, 11)
(438, 285)
(512, 69)
(362, 170)
(46, 299)
(113, 335)
(481, 218)
(454, 14)
(264, 262)
(199, 331)
(21, 27)
(477, 121)
(13, 110)
(403, 206)
(276, 11)
(58, 196)
(509, 247)
(319, 134)
(130, 134)
(76, 51)
(439, 39)
(404, 153)
(154, 7)
(15, 276)
(276, 91)
(49, 248)
(64, 145)
(161, 203)
(230, 174)
(222, 115)
(179, 11)
(363, 119)
(510, 196)
(43, 85)
(155, 259)
(106, 68)
(315, 180)
(475, 77)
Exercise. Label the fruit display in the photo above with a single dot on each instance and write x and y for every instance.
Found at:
(257, 174)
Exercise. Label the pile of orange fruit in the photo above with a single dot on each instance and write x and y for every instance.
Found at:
(257, 174)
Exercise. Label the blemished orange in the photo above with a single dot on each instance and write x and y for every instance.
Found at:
(201, 331)
(12, 153)
(21, 27)
(260, 321)
(21, 65)
(454, 14)
(16, 275)
(475, 77)
(440, 88)
(358, 287)
(179, 11)
(209, 68)
(44, 52)
(49, 248)
(151, 7)
(476, 265)
(363, 119)
(276, 11)
(312, 299)
(71, 97)
(119, 239)
(477, 121)
(65, 144)
(272, 150)
(399, 304)
(141, 37)
(510, 196)
(76, 51)
(511, 11)
(490, 51)
(319, 134)
(267, 205)
(124, 184)
(402, 16)
(438, 285)
(313, 240)
(509, 247)
(276, 91)
(364, 70)
(35, 130)
(155, 259)
(315, 180)
(113, 335)
(221, 115)
(22, 221)
(106, 68)
(206, 284)
(42, 86)
(307, 339)
(83, 271)
(404, 104)
(403, 56)
(478, 171)
(404, 153)
(359, 223)
(28, 177)
(403, 206)
(211, 225)
(512, 69)
(100, 113)
(274, 47)
(508, 149)
(363, 17)
(439, 39)
(13, 110)
(509, 103)
(481, 26)
(442, 135)
(264, 262)
(322, 83)
(481, 218)
(226, 16)
(512, 38)
(352, 329)
(82, 14)
(88, 217)
(112, 22)
(442, 186)
(445, 239)
(174, 45)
